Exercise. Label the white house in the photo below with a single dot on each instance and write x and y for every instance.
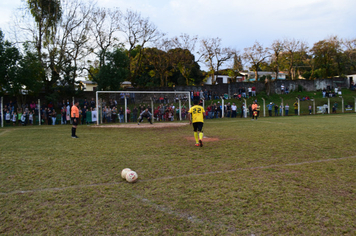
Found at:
(351, 79)
(89, 85)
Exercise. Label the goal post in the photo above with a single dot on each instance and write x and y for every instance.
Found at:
(99, 108)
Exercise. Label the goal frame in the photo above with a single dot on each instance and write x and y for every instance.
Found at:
(152, 92)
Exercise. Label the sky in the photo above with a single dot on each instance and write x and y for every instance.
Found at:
(239, 23)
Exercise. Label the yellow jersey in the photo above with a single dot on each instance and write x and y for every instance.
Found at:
(197, 113)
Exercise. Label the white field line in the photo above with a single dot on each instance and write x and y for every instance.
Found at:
(164, 209)
(183, 215)
(175, 177)
(6, 131)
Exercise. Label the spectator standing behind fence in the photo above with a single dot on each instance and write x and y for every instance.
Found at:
(228, 109)
(134, 114)
(335, 107)
(233, 110)
(121, 115)
(92, 103)
(253, 91)
(84, 114)
(54, 116)
(114, 113)
(281, 109)
(295, 105)
(243, 92)
(30, 118)
(276, 110)
(286, 109)
(270, 107)
(14, 118)
(68, 113)
(108, 114)
(63, 115)
(310, 109)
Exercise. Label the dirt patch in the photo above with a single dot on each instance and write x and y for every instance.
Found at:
(205, 139)
(144, 125)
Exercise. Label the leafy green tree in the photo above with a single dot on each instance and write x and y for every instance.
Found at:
(19, 75)
(47, 14)
(114, 71)
(327, 58)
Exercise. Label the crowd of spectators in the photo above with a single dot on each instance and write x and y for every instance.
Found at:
(27, 114)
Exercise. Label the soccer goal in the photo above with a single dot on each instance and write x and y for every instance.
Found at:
(154, 100)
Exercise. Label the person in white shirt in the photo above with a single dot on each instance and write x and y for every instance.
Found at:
(233, 109)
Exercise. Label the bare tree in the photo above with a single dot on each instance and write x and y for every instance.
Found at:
(277, 48)
(106, 25)
(350, 51)
(293, 48)
(214, 55)
(255, 55)
(138, 32)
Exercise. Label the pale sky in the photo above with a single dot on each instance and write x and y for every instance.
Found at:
(239, 23)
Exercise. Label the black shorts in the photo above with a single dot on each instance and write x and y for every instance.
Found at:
(198, 126)
(75, 123)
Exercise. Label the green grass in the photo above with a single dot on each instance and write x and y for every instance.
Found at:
(275, 176)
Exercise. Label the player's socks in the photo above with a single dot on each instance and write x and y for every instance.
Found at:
(196, 137)
(201, 139)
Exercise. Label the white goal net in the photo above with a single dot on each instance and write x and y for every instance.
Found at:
(125, 106)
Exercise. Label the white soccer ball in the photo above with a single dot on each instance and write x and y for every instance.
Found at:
(131, 176)
(124, 172)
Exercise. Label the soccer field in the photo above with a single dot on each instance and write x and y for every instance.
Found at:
(274, 176)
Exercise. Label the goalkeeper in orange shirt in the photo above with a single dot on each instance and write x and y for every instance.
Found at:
(196, 115)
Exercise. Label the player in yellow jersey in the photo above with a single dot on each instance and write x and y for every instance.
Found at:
(196, 115)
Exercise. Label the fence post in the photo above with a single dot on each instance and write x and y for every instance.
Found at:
(282, 104)
(222, 108)
(313, 99)
(180, 110)
(264, 107)
(342, 104)
(40, 112)
(298, 106)
(153, 111)
(125, 99)
(245, 109)
(1, 112)
(328, 105)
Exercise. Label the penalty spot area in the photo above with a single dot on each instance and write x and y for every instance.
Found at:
(145, 125)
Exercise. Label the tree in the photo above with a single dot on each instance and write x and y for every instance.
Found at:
(236, 67)
(47, 14)
(276, 48)
(350, 53)
(138, 32)
(19, 74)
(114, 71)
(106, 23)
(255, 55)
(214, 55)
(327, 57)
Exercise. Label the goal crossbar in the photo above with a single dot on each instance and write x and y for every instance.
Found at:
(152, 92)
